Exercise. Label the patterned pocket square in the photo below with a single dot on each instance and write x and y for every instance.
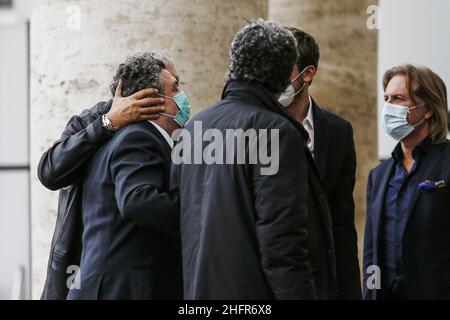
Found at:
(432, 185)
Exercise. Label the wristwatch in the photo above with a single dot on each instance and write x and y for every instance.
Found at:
(107, 125)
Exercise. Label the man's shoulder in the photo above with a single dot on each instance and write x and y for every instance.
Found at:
(130, 139)
(142, 130)
(445, 146)
(442, 152)
(242, 114)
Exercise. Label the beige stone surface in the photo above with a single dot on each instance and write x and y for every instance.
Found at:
(71, 68)
(347, 76)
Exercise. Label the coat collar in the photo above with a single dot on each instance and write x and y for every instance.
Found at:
(260, 96)
(419, 152)
(427, 167)
(386, 170)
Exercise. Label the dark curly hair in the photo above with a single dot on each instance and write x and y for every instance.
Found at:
(140, 71)
(263, 52)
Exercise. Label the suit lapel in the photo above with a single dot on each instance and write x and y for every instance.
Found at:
(321, 138)
(430, 162)
(378, 203)
(377, 211)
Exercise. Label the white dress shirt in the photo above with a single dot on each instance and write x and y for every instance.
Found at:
(308, 124)
(164, 134)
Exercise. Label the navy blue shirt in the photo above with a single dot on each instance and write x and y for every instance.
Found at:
(397, 199)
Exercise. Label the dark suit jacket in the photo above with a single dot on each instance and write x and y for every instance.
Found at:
(426, 236)
(334, 154)
(131, 244)
(251, 236)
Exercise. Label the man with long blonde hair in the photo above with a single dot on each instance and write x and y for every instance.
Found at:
(408, 197)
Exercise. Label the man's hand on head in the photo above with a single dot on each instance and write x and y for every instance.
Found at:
(142, 105)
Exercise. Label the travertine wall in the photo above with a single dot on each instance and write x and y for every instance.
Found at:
(346, 82)
(75, 47)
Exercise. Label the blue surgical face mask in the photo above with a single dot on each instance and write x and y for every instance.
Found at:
(183, 104)
(395, 120)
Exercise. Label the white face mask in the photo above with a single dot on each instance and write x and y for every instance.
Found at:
(287, 97)
(395, 120)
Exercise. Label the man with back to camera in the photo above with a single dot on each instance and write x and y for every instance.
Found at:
(247, 234)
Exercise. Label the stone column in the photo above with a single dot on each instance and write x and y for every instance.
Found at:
(346, 82)
(75, 48)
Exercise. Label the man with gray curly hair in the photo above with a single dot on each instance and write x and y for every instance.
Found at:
(131, 245)
(245, 233)
(63, 166)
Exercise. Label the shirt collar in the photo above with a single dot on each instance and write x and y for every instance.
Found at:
(309, 117)
(419, 151)
(164, 134)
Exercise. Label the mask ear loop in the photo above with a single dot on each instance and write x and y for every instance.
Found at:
(303, 86)
(415, 107)
(300, 90)
(167, 115)
(161, 95)
(421, 121)
(296, 77)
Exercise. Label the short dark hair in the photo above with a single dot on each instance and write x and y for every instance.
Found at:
(263, 52)
(307, 47)
(138, 72)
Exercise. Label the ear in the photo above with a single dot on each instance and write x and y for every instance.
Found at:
(294, 72)
(428, 114)
(309, 74)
